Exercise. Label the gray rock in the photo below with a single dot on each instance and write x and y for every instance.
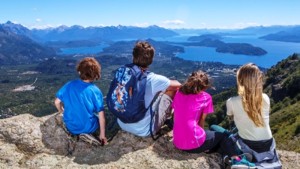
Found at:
(30, 142)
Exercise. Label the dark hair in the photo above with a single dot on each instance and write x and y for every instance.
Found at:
(89, 69)
(143, 54)
(196, 82)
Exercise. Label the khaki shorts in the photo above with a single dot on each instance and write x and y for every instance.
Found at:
(162, 109)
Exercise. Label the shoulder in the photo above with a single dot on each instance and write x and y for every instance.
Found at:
(156, 77)
(70, 83)
(266, 98)
(94, 87)
(205, 94)
(234, 99)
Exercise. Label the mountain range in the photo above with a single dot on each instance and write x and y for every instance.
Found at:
(254, 30)
(76, 32)
(16, 48)
(290, 35)
(19, 45)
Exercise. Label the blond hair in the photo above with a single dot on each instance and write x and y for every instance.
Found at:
(250, 88)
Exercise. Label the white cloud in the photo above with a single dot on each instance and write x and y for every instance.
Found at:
(240, 25)
(15, 22)
(172, 23)
(42, 26)
(244, 25)
(38, 20)
(100, 25)
(145, 24)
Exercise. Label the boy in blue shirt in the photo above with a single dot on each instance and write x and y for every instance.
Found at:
(81, 101)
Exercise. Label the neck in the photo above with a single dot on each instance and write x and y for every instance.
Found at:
(87, 81)
(143, 68)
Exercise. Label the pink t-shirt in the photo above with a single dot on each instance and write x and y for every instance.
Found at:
(188, 109)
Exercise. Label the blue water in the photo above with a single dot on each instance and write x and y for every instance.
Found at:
(276, 51)
(83, 50)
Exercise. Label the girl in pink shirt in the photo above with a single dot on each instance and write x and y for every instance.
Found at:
(191, 106)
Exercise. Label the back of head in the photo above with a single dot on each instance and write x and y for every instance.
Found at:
(250, 88)
(196, 82)
(89, 69)
(143, 54)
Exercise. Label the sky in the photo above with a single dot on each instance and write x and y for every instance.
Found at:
(197, 14)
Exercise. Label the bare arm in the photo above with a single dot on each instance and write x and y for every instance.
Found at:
(102, 136)
(202, 120)
(174, 85)
(58, 105)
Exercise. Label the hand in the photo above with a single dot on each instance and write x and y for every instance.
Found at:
(103, 139)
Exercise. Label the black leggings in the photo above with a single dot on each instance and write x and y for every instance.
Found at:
(212, 143)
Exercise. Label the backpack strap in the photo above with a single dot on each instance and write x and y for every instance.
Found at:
(136, 69)
(152, 116)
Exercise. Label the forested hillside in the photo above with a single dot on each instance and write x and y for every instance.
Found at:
(283, 85)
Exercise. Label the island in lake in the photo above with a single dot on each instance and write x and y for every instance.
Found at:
(222, 47)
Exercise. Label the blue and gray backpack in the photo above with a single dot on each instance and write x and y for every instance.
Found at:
(125, 98)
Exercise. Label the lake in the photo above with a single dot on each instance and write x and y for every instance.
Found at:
(83, 50)
(276, 51)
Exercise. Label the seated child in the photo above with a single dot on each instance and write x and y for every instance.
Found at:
(191, 106)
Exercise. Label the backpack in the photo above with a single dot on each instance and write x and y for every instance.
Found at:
(264, 160)
(125, 98)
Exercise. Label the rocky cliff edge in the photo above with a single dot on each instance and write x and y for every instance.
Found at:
(30, 142)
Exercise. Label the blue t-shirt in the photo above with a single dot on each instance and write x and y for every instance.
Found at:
(155, 83)
(82, 101)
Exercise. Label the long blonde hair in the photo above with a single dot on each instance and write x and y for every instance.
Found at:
(250, 88)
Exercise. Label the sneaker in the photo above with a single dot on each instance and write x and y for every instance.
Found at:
(242, 162)
(248, 156)
(227, 162)
(88, 138)
(169, 123)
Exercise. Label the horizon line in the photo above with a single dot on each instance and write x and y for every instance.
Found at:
(147, 26)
